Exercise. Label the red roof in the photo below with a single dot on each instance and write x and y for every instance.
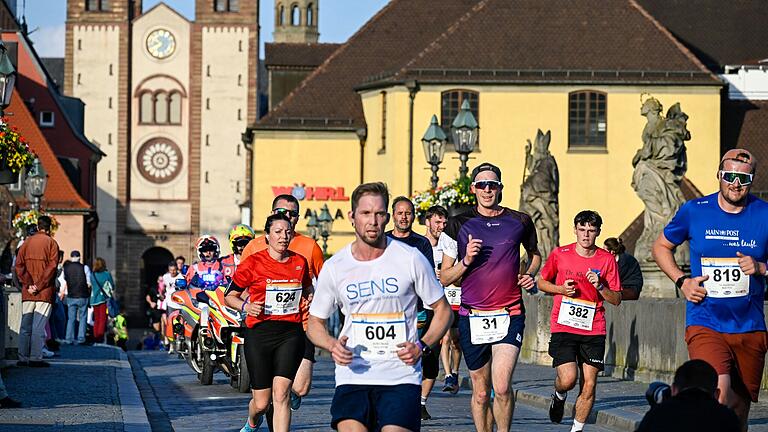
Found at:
(59, 193)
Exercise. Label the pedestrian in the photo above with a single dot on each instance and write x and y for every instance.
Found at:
(120, 329)
(58, 321)
(404, 214)
(580, 276)
(36, 270)
(630, 275)
(377, 282)
(154, 299)
(482, 253)
(103, 290)
(310, 250)
(276, 279)
(5, 400)
(693, 406)
(77, 277)
(725, 324)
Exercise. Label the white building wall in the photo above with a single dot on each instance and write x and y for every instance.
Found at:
(747, 82)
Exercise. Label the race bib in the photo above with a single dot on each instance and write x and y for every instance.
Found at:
(488, 326)
(576, 313)
(282, 299)
(726, 279)
(453, 294)
(376, 336)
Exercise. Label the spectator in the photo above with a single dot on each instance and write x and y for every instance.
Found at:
(630, 276)
(181, 265)
(5, 400)
(36, 270)
(103, 289)
(121, 329)
(693, 405)
(77, 277)
(58, 320)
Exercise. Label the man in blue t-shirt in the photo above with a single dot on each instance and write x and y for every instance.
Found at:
(728, 239)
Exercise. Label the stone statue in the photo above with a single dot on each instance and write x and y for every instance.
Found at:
(538, 193)
(659, 168)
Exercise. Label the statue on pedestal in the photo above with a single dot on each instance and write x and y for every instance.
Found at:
(659, 168)
(539, 192)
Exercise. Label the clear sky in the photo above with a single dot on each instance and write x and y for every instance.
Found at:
(338, 19)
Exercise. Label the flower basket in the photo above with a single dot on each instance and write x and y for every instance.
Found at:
(15, 154)
(454, 197)
(27, 219)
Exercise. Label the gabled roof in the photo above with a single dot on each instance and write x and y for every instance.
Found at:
(55, 68)
(718, 32)
(297, 54)
(59, 193)
(478, 41)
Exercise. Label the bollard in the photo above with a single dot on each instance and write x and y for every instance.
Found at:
(11, 319)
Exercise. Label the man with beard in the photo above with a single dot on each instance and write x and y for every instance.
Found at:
(378, 282)
(728, 239)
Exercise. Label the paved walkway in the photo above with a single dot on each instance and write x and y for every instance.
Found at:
(87, 388)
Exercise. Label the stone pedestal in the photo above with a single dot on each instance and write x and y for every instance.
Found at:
(10, 320)
(656, 284)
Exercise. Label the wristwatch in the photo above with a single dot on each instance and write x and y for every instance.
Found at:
(425, 349)
(680, 280)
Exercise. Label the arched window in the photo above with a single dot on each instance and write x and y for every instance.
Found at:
(161, 107)
(174, 108)
(280, 15)
(587, 125)
(145, 108)
(310, 16)
(295, 15)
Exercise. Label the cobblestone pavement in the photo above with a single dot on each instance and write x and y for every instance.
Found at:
(176, 401)
(79, 392)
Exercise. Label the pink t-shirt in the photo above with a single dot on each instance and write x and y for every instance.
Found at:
(563, 264)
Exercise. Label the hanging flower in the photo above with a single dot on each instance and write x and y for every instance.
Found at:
(15, 154)
(454, 194)
(24, 220)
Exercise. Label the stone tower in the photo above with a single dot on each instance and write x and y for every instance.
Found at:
(296, 21)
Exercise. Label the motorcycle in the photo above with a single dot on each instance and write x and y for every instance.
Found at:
(184, 321)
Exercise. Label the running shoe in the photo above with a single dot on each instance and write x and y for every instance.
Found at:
(424, 413)
(448, 386)
(47, 353)
(556, 409)
(295, 401)
(455, 379)
(248, 428)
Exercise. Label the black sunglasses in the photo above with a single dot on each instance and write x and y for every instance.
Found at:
(492, 184)
(290, 213)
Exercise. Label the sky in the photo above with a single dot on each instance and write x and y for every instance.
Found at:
(338, 19)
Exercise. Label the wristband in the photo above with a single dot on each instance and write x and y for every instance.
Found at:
(463, 263)
(600, 287)
(680, 280)
(242, 308)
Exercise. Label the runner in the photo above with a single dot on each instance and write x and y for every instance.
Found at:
(276, 279)
(728, 239)
(404, 216)
(491, 298)
(309, 249)
(580, 276)
(450, 352)
(377, 282)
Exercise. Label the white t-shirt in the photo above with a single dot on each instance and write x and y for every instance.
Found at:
(170, 288)
(387, 285)
(448, 246)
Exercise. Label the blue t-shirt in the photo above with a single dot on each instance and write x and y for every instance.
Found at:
(713, 233)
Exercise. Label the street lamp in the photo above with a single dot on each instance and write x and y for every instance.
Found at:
(464, 133)
(7, 78)
(325, 225)
(35, 183)
(434, 148)
(312, 225)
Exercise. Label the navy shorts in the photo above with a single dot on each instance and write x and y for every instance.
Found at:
(476, 356)
(376, 406)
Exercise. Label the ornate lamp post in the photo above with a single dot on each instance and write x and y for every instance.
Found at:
(35, 183)
(312, 225)
(434, 148)
(325, 225)
(7, 78)
(464, 134)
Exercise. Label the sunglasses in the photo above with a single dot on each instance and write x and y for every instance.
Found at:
(241, 242)
(730, 177)
(290, 213)
(491, 184)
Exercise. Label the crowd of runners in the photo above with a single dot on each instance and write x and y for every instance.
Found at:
(409, 302)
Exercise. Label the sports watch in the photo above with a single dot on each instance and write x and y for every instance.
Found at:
(680, 280)
(425, 349)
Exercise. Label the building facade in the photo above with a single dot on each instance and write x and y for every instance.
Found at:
(167, 99)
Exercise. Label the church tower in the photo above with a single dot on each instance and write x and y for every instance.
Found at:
(296, 21)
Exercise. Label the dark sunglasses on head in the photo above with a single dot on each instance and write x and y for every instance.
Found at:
(290, 213)
(492, 184)
(730, 177)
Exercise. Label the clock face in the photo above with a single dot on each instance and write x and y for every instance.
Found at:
(161, 43)
(159, 160)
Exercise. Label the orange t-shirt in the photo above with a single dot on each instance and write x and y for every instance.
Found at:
(271, 282)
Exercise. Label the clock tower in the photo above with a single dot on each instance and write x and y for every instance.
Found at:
(166, 99)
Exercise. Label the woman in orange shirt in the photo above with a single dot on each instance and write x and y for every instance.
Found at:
(276, 279)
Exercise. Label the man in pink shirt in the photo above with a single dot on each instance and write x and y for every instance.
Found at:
(580, 276)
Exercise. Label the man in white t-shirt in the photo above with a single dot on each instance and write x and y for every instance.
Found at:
(377, 283)
(169, 280)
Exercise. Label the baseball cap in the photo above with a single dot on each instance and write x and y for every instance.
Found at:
(75, 253)
(485, 166)
(740, 155)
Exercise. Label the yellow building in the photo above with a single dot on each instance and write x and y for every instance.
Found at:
(577, 70)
